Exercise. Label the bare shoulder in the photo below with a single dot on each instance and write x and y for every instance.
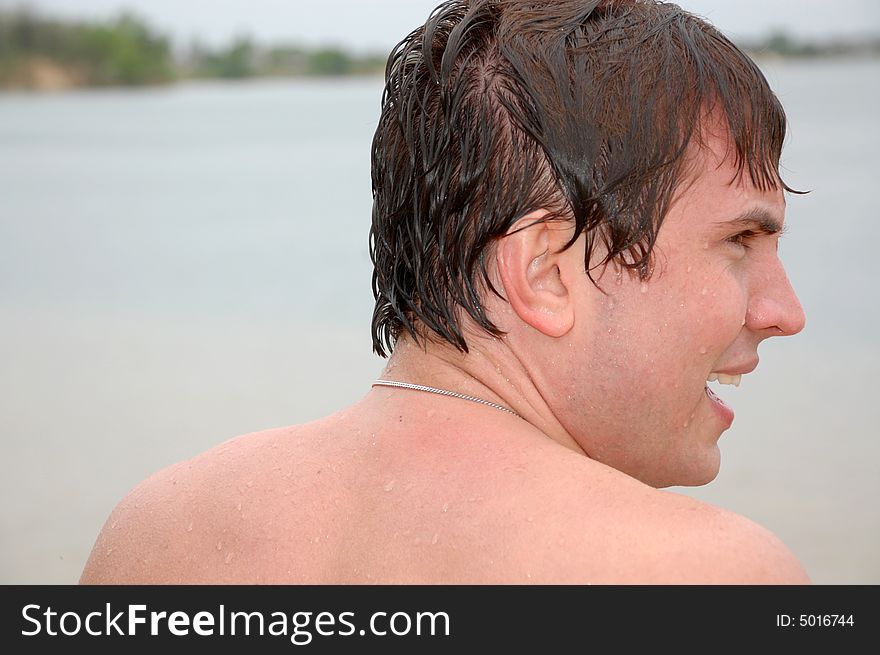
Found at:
(174, 527)
(722, 547)
(302, 504)
(660, 537)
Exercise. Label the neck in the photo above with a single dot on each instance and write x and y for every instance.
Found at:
(490, 371)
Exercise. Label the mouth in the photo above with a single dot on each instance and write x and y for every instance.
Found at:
(723, 378)
(724, 411)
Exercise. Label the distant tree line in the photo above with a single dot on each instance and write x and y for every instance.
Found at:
(41, 52)
(778, 43)
(122, 52)
(243, 58)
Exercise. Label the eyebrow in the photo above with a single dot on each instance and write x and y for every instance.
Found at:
(758, 219)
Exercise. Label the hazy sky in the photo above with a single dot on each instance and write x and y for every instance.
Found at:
(379, 24)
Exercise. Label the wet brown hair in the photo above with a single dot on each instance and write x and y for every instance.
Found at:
(496, 108)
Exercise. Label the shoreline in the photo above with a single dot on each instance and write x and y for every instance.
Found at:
(42, 75)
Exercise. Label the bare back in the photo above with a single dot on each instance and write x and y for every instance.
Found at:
(425, 496)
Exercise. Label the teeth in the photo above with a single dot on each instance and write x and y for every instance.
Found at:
(724, 379)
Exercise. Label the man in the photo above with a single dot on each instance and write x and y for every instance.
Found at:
(575, 226)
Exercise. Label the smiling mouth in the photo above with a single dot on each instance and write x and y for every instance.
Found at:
(713, 395)
(722, 378)
(723, 410)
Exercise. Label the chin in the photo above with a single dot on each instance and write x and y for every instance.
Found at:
(692, 472)
(694, 475)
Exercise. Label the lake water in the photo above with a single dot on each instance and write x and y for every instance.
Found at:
(182, 265)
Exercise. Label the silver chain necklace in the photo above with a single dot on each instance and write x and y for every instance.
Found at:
(442, 392)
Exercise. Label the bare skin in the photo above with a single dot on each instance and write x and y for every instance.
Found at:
(359, 498)
(412, 487)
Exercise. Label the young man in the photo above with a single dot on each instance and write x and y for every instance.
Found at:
(576, 214)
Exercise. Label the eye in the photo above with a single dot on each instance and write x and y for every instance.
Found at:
(741, 239)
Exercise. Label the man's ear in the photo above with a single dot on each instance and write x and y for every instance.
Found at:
(531, 266)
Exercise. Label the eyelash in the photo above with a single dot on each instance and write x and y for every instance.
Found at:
(741, 238)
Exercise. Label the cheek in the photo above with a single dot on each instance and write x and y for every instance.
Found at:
(721, 309)
(668, 325)
(709, 307)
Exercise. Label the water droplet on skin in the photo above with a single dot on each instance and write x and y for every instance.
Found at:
(229, 557)
(705, 245)
(389, 486)
(704, 291)
(250, 483)
(113, 526)
(238, 507)
(189, 528)
(703, 350)
(435, 538)
(644, 288)
(445, 507)
(219, 545)
(529, 576)
(610, 304)
(689, 269)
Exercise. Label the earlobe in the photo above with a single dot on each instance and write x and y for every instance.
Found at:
(529, 264)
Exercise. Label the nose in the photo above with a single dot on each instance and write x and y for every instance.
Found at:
(774, 307)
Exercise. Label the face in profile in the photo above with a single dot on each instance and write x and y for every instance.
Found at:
(641, 403)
